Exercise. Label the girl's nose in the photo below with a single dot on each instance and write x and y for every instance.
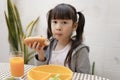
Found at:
(59, 27)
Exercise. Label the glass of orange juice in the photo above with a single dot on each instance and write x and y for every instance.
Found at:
(17, 63)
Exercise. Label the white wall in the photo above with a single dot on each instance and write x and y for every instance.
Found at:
(102, 29)
(3, 34)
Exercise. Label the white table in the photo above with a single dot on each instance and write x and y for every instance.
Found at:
(5, 72)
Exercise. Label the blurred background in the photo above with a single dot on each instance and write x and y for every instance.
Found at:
(102, 29)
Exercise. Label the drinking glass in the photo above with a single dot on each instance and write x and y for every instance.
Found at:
(17, 63)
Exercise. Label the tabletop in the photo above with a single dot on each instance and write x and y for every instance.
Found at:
(5, 72)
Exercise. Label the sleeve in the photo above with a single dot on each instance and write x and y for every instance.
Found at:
(37, 62)
(83, 63)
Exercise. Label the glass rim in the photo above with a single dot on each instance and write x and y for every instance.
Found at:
(16, 53)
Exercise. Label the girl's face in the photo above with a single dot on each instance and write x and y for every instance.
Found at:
(62, 28)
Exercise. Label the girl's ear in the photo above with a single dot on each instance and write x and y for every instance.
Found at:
(75, 25)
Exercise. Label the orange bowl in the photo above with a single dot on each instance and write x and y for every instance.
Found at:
(44, 72)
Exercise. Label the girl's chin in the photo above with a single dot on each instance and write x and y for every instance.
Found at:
(58, 38)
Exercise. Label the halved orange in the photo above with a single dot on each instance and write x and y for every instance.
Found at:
(44, 72)
(37, 75)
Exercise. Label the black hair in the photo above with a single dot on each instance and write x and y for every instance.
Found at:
(67, 11)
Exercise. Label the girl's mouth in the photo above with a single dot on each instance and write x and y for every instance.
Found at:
(58, 34)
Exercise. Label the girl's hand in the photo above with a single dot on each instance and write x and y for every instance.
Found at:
(39, 49)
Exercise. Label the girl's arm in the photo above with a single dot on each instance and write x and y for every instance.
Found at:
(83, 63)
(39, 49)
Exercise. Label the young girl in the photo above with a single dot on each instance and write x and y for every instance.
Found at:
(64, 48)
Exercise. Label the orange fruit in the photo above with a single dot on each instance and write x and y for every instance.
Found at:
(44, 72)
(37, 75)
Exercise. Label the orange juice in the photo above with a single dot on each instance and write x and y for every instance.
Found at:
(17, 66)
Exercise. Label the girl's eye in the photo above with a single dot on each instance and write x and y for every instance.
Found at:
(55, 22)
(64, 22)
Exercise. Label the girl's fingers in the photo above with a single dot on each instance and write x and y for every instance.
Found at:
(34, 45)
(38, 46)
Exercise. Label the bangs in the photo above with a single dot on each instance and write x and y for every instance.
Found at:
(62, 12)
